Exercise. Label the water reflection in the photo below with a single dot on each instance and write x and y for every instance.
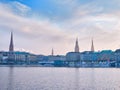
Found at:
(38, 78)
(77, 79)
(84, 80)
(10, 79)
(92, 81)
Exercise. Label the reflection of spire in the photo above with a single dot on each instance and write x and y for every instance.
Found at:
(10, 78)
(52, 52)
(92, 46)
(11, 47)
(76, 46)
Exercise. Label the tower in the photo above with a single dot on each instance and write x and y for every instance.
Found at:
(52, 52)
(76, 46)
(92, 46)
(11, 56)
(11, 46)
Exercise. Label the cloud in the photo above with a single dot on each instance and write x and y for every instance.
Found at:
(39, 34)
(20, 8)
(90, 20)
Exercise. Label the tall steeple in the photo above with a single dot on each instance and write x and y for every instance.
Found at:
(92, 46)
(52, 52)
(76, 46)
(11, 46)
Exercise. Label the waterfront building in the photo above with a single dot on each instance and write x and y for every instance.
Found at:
(25, 58)
(32, 58)
(40, 58)
(4, 56)
(73, 58)
(21, 57)
(116, 61)
(56, 57)
(89, 58)
(1, 56)
(105, 57)
(51, 59)
(55, 60)
(58, 60)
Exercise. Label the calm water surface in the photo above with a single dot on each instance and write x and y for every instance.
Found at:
(41, 78)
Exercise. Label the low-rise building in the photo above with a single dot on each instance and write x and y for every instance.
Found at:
(73, 59)
(59, 60)
(89, 58)
(116, 61)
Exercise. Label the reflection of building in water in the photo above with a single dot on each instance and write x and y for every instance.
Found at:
(10, 79)
(77, 79)
(92, 79)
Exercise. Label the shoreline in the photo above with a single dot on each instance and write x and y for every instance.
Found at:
(54, 66)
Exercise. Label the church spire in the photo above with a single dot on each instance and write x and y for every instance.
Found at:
(92, 46)
(11, 47)
(76, 46)
(52, 52)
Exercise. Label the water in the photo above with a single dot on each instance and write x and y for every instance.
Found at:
(41, 78)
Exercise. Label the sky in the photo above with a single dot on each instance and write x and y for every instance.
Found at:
(40, 25)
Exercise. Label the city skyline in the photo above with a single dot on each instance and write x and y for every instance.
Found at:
(39, 26)
(76, 48)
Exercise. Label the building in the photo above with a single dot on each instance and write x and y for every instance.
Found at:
(89, 58)
(116, 59)
(1, 56)
(32, 58)
(104, 58)
(73, 56)
(4, 56)
(21, 57)
(58, 60)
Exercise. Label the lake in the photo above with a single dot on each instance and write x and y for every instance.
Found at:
(51, 78)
